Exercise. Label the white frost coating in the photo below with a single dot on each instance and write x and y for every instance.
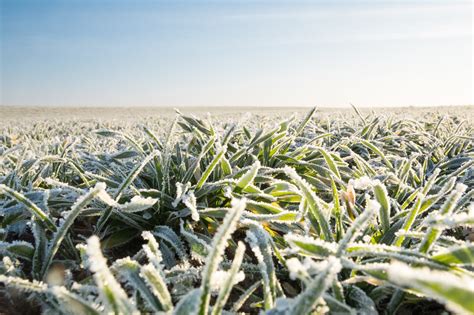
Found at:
(152, 250)
(451, 220)
(421, 235)
(362, 183)
(239, 277)
(220, 277)
(378, 248)
(84, 290)
(291, 217)
(333, 264)
(106, 198)
(98, 189)
(315, 267)
(138, 203)
(23, 284)
(190, 201)
(292, 238)
(181, 189)
(100, 186)
(45, 198)
(282, 306)
(228, 192)
(373, 205)
(180, 273)
(187, 197)
(296, 269)
(460, 188)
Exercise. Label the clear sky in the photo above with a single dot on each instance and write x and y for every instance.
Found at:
(236, 53)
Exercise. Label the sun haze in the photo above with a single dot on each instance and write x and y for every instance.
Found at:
(236, 53)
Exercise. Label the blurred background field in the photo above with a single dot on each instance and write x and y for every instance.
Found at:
(29, 113)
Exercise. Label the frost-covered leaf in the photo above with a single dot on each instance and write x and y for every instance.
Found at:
(137, 204)
(18, 248)
(214, 257)
(453, 291)
(113, 296)
(461, 255)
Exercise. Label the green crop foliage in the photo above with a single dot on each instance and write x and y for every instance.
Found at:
(343, 214)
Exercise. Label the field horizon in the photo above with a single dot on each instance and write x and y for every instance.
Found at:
(9, 112)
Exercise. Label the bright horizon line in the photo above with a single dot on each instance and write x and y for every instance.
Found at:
(238, 106)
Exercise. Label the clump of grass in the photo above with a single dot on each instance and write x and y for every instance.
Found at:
(352, 215)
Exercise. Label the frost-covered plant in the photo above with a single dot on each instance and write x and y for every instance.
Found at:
(302, 215)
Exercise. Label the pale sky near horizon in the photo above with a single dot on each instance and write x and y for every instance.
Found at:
(236, 53)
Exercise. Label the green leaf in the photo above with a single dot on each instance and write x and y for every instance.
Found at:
(382, 198)
(462, 255)
(157, 284)
(30, 206)
(130, 271)
(330, 162)
(19, 249)
(110, 292)
(312, 202)
(259, 242)
(210, 167)
(310, 246)
(76, 209)
(189, 304)
(249, 176)
(119, 238)
(225, 290)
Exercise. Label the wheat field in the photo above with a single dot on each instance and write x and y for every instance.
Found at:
(297, 211)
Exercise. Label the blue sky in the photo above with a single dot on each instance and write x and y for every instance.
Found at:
(236, 53)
